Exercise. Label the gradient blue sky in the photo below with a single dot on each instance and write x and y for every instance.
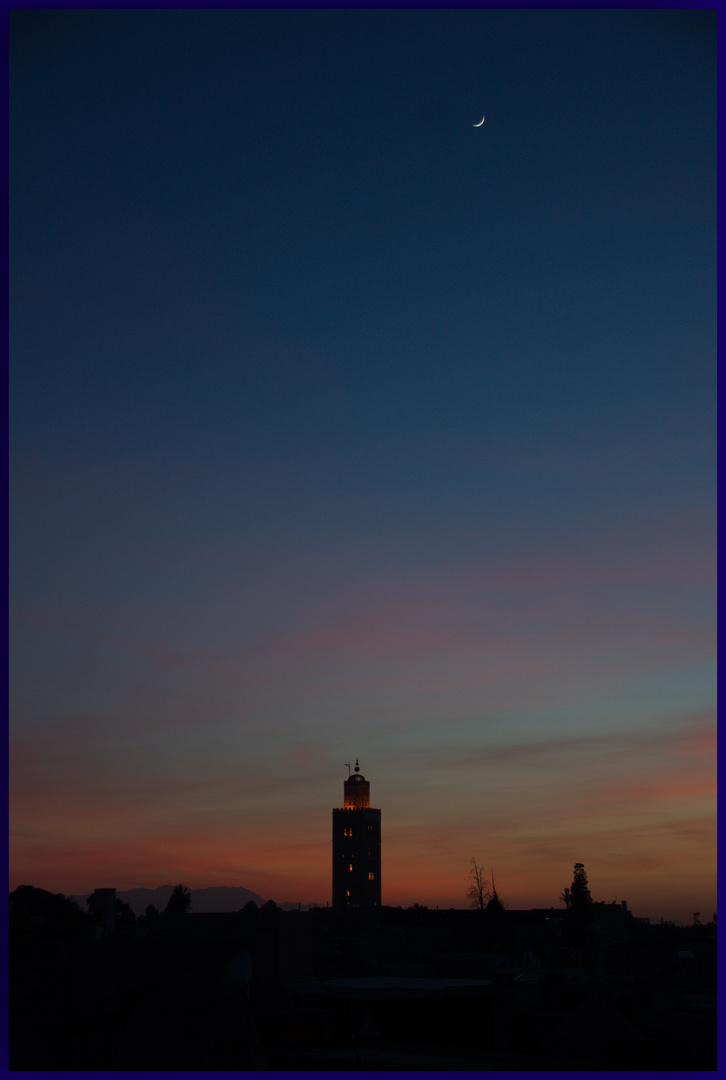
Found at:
(341, 427)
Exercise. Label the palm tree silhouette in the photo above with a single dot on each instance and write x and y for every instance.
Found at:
(179, 900)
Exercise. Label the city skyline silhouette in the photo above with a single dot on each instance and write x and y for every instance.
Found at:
(341, 426)
(357, 987)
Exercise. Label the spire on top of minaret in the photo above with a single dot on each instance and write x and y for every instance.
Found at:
(357, 766)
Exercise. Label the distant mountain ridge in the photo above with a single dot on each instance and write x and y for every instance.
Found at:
(218, 898)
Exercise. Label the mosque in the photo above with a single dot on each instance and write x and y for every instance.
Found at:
(356, 846)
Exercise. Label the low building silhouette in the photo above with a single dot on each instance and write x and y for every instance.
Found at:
(366, 988)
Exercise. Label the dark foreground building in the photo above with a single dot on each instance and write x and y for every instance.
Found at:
(356, 847)
(366, 989)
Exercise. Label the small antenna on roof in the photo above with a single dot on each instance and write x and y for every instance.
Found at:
(348, 768)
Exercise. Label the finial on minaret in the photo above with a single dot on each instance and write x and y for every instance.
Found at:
(357, 766)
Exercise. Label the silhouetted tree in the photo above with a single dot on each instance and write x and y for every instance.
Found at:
(151, 911)
(580, 898)
(270, 905)
(495, 904)
(578, 901)
(478, 892)
(483, 893)
(578, 894)
(124, 913)
(40, 913)
(179, 901)
(250, 906)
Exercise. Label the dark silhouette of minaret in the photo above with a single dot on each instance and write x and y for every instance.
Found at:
(356, 847)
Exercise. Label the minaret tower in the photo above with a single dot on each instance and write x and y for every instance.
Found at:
(356, 846)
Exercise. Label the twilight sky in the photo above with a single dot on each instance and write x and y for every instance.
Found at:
(342, 427)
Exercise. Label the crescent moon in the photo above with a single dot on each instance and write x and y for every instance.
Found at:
(480, 122)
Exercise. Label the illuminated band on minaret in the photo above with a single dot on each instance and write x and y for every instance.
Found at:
(356, 847)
